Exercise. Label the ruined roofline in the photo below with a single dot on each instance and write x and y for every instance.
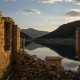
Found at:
(15, 25)
(7, 19)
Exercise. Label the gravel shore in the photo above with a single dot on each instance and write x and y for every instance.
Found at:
(27, 67)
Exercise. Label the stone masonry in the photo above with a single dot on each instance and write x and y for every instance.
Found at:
(9, 43)
(53, 60)
(15, 38)
(77, 38)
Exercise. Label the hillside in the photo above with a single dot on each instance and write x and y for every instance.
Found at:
(22, 35)
(64, 31)
(34, 33)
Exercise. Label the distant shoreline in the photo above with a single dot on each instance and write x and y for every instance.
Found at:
(57, 41)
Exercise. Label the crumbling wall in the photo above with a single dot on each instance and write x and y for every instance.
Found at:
(77, 44)
(1, 35)
(15, 38)
(9, 42)
(1, 47)
(5, 64)
(5, 55)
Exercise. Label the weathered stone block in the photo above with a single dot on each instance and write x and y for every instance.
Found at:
(53, 60)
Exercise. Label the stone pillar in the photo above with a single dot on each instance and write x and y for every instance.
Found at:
(15, 38)
(20, 42)
(5, 46)
(77, 42)
(23, 44)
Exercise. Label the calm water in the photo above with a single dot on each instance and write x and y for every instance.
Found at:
(67, 52)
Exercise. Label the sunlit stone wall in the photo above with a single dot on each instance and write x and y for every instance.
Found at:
(8, 37)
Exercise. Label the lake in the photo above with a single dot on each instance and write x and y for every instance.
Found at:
(69, 61)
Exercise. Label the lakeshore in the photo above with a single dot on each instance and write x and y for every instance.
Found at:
(30, 67)
(56, 41)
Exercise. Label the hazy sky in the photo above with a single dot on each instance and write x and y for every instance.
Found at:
(41, 14)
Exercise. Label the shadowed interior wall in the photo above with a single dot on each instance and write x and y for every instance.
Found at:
(8, 35)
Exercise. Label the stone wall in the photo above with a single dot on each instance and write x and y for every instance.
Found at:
(77, 44)
(5, 64)
(1, 35)
(9, 35)
(15, 38)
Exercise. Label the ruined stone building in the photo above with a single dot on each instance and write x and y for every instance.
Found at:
(9, 44)
(77, 42)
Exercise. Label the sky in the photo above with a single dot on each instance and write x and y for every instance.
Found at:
(46, 15)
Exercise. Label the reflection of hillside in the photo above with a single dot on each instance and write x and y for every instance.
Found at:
(33, 46)
(27, 43)
(63, 50)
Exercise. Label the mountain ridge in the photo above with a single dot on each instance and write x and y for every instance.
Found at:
(23, 35)
(64, 31)
(33, 33)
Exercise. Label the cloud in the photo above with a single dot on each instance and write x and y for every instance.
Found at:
(13, 0)
(53, 1)
(68, 0)
(9, 0)
(76, 2)
(71, 19)
(29, 11)
(73, 13)
(48, 1)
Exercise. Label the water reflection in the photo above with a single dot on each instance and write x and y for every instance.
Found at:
(70, 64)
(67, 52)
(64, 50)
(33, 46)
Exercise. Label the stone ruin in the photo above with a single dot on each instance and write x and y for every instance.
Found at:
(54, 60)
(9, 44)
(77, 42)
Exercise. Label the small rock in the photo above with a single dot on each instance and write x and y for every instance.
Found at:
(23, 78)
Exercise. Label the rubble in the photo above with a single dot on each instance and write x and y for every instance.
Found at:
(28, 67)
